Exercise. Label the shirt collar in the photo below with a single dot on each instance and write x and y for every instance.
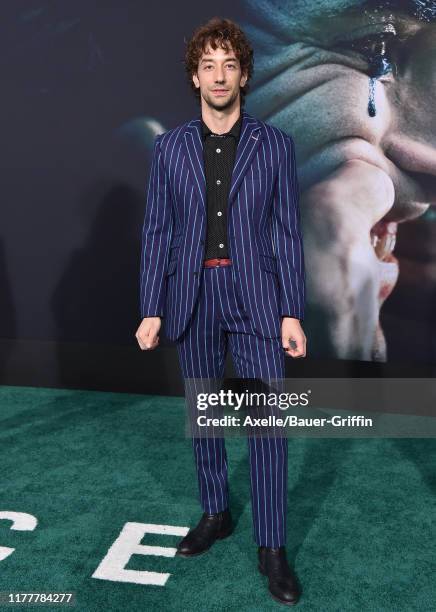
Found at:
(234, 131)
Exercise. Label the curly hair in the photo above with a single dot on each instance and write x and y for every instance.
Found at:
(226, 34)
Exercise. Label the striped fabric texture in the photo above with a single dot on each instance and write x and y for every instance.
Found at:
(218, 325)
(264, 234)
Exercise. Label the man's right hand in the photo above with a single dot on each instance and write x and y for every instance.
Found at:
(147, 333)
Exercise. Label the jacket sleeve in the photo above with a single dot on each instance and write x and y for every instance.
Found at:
(156, 238)
(286, 225)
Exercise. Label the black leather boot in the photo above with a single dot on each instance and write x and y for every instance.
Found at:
(210, 528)
(283, 584)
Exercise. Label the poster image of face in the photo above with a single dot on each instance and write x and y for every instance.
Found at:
(354, 83)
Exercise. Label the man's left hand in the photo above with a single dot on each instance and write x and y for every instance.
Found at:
(293, 337)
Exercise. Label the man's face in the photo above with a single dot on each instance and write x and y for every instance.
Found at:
(219, 78)
(362, 176)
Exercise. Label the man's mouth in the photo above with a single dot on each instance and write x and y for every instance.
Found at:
(413, 203)
(220, 91)
(383, 239)
(412, 168)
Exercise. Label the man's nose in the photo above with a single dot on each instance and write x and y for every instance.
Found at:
(408, 151)
(410, 141)
(219, 75)
(415, 155)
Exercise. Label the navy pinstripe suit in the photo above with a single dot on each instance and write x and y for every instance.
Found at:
(207, 310)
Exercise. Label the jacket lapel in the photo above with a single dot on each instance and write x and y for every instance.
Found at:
(249, 141)
(194, 155)
(248, 144)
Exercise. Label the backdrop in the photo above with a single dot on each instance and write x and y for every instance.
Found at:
(86, 86)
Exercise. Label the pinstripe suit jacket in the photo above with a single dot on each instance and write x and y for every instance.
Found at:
(264, 236)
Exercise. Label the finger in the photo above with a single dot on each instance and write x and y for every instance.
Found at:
(292, 343)
(357, 183)
(152, 341)
(296, 347)
(141, 343)
(295, 353)
(144, 340)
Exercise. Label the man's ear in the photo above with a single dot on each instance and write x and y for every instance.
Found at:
(195, 79)
(244, 79)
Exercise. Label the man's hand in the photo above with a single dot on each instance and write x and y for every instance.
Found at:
(147, 333)
(293, 338)
(344, 273)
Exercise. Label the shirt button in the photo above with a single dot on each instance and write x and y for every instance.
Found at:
(218, 182)
(218, 150)
(219, 213)
(221, 246)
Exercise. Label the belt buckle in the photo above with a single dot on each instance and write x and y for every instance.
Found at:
(217, 262)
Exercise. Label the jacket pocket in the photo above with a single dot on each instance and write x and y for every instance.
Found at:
(174, 252)
(171, 267)
(176, 240)
(268, 263)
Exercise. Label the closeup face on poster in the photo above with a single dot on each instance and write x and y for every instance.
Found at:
(354, 83)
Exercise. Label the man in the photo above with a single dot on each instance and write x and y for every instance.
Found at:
(364, 178)
(222, 263)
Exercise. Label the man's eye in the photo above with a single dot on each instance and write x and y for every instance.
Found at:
(378, 50)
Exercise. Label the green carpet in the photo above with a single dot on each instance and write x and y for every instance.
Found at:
(361, 513)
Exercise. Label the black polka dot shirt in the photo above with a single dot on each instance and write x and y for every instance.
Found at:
(219, 159)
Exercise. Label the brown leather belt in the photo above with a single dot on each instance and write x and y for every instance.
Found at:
(218, 262)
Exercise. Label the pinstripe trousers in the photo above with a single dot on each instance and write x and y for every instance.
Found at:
(219, 322)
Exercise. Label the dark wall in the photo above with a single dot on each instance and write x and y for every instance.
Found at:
(82, 84)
